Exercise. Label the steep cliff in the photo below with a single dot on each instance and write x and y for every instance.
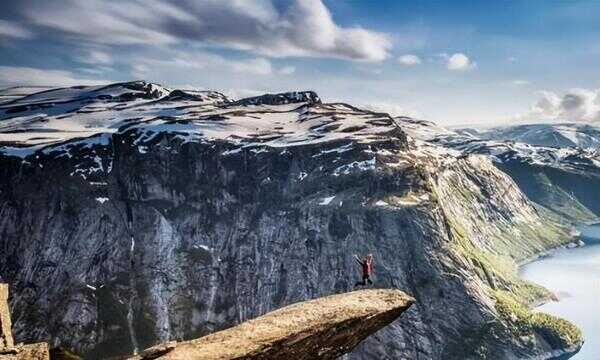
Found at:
(138, 217)
(8, 349)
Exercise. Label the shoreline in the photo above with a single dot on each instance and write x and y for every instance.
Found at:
(578, 242)
(568, 284)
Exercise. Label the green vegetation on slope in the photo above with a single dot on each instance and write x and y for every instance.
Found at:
(498, 271)
(557, 332)
(493, 226)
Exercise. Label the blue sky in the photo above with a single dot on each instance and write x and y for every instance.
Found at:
(454, 62)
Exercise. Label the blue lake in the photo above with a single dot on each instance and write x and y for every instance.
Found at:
(574, 275)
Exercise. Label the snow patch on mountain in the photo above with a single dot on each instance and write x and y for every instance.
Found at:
(434, 139)
(547, 135)
(59, 119)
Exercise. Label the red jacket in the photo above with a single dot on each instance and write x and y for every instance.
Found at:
(367, 266)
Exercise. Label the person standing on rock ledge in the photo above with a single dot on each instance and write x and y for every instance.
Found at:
(367, 267)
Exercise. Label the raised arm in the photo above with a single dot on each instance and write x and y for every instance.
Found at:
(370, 260)
(358, 260)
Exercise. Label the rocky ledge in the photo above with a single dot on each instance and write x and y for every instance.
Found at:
(323, 328)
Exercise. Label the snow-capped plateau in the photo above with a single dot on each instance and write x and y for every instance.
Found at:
(503, 148)
(560, 135)
(40, 121)
(16, 92)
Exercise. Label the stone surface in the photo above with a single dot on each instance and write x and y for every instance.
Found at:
(38, 351)
(8, 350)
(6, 340)
(318, 329)
(156, 351)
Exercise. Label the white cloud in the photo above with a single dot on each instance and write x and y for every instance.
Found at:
(287, 70)
(17, 76)
(103, 22)
(579, 105)
(512, 59)
(236, 94)
(302, 28)
(391, 109)
(95, 70)
(144, 67)
(187, 87)
(369, 69)
(10, 29)
(95, 57)
(520, 82)
(140, 71)
(409, 60)
(258, 66)
(459, 62)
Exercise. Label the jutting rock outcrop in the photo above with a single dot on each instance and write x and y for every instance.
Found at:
(318, 329)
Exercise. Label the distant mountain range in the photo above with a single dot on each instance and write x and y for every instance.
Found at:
(563, 178)
(550, 135)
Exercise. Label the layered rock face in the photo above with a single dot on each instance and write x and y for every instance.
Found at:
(176, 216)
(8, 349)
(324, 328)
(6, 340)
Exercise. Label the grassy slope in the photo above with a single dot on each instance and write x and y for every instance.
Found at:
(471, 193)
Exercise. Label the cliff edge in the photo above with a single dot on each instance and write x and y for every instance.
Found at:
(323, 328)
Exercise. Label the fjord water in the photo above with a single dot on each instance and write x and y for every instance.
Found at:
(574, 275)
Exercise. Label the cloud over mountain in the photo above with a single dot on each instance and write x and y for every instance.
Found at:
(17, 76)
(574, 105)
(273, 29)
(390, 108)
